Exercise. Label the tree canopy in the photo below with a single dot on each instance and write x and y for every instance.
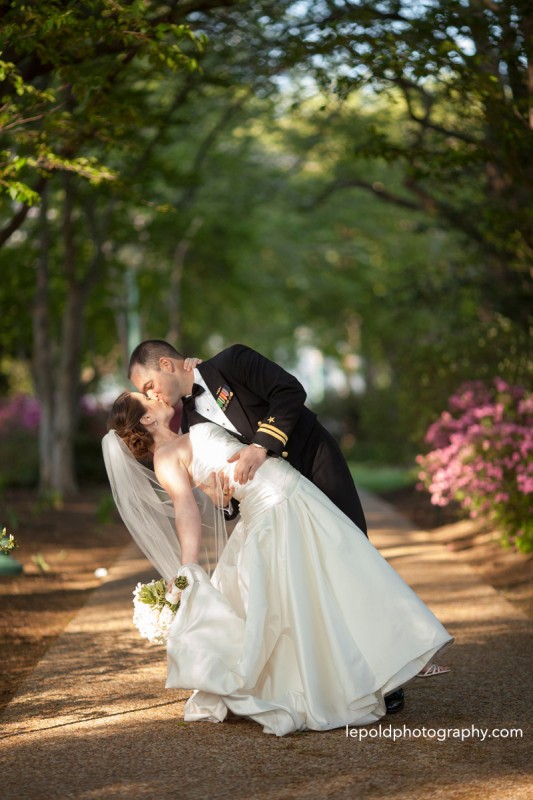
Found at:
(210, 172)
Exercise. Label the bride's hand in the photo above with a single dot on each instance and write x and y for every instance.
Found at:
(218, 489)
(173, 594)
(190, 363)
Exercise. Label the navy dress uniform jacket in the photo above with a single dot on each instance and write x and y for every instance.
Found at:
(265, 403)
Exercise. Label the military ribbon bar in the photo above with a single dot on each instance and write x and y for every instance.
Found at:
(223, 397)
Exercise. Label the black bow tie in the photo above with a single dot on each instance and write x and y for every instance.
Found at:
(188, 402)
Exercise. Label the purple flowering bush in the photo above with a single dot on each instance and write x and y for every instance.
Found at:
(19, 422)
(20, 416)
(482, 457)
(22, 411)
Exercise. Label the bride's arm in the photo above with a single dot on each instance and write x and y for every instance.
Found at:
(172, 473)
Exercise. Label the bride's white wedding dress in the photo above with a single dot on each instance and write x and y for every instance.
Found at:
(303, 624)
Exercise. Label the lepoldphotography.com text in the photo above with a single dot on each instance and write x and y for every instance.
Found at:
(440, 734)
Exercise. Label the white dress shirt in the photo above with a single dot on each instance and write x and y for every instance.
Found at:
(207, 406)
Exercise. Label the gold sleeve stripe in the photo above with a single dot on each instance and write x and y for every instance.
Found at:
(272, 431)
(274, 436)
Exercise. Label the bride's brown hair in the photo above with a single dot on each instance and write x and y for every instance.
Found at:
(125, 418)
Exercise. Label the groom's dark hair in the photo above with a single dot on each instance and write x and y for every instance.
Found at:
(147, 354)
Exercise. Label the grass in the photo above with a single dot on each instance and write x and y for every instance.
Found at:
(381, 477)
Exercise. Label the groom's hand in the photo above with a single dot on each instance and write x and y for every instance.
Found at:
(249, 459)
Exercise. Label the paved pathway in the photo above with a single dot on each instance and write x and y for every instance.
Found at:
(94, 720)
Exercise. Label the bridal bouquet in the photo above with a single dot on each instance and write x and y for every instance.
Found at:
(154, 608)
(7, 542)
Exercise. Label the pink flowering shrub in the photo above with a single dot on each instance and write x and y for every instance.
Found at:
(482, 457)
(21, 411)
(24, 411)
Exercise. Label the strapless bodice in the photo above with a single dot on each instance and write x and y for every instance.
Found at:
(273, 482)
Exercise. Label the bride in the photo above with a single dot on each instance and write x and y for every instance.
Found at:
(303, 625)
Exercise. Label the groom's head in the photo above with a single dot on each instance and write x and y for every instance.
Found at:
(156, 369)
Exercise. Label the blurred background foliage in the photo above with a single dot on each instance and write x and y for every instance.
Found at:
(350, 180)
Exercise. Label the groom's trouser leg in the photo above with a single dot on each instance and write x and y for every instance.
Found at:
(325, 465)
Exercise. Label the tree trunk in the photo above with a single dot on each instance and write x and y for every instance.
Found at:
(42, 353)
(57, 365)
(67, 378)
(67, 395)
(133, 323)
(176, 278)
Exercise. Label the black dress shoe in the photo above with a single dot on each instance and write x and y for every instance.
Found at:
(395, 701)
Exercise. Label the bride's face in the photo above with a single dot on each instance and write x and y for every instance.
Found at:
(156, 409)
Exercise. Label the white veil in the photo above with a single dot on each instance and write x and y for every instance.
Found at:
(148, 513)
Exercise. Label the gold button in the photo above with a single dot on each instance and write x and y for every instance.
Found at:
(284, 454)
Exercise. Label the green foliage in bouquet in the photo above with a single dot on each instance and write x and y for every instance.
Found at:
(7, 542)
(154, 593)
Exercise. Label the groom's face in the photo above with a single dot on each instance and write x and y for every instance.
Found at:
(162, 384)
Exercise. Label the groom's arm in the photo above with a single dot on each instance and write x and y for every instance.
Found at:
(281, 391)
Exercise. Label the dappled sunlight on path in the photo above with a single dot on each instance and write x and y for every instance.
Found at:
(94, 719)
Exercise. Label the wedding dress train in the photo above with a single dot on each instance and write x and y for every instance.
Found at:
(303, 624)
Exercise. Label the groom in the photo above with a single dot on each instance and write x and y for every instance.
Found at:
(262, 404)
(257, 400)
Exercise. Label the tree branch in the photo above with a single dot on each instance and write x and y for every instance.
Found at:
(16, 221)
(406, 86)
(455, 216)
(376, 188)
(207, 144)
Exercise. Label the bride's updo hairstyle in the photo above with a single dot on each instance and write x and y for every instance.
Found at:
(125, 418)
